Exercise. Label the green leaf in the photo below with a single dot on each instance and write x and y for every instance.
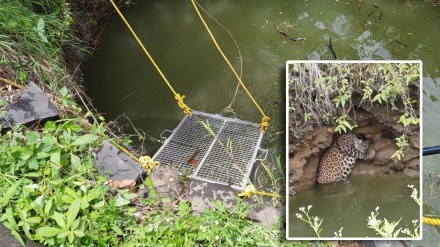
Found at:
(67, 199)
(117, 230)
(40, 24)
(76, 128)
(18, 237)
(47, 231)
(56, 181)
(72, 212)
(63, 234)
(32, 186)
(64, 92)
(33, 174)
(76, 161)
(85, 139)
(59, 218)
(48, 140)
(43, 37)
(9, 193)
(33, 220)
(70, 237)
(33, 164)
(55, 158)
(99, 205)
(32, 137)
(10, 216)
(72, 193)
(121, 202)
(48, 207)
(79, 233)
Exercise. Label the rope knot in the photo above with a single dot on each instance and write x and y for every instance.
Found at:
(148, 163)
(248, 191)
(182, 104)
(264, 123)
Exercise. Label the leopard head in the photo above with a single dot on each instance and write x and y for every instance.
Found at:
(361, 143)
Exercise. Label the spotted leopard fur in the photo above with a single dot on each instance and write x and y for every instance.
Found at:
(338, 161)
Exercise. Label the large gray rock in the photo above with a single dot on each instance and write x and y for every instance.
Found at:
(116, 165)
(7, 240)
(203, 194)
(31, 107)
(166, 181)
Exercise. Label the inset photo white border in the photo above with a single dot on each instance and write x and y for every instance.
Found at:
(420, 188)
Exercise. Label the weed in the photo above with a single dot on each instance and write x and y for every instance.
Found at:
(51, 190)
(328, 93)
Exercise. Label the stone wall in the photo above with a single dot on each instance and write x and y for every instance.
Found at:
(378, 124)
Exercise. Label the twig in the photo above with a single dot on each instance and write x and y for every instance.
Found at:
(330, 47)
(286, 35)
(366, 20)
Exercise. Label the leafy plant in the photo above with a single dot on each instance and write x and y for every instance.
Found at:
(383, 227)
(51, 191)
(214, 227)
(331, 93)
(313, 221)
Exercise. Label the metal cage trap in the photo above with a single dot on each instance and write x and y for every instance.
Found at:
(213, 148)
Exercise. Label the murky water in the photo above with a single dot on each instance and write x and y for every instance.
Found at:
(122, 81)
(349, 204)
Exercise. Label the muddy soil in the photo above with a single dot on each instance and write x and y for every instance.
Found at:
(378, 124)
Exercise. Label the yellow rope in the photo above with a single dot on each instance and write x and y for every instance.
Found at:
(179, 98)
(145, 161)
(4, 80)
(250, 191)
(431, 221)
(265, 120)
(148, 163)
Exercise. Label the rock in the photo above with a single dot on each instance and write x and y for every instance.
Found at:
(383, 156)
(116, 165)
(166, 181)
(266, 215)
(414, 164)
(390, 243)
(411, 173)
(33, 106)
(6, 239)
(203, 194)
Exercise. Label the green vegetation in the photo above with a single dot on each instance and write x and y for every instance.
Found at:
(331, 93)
(33, 35)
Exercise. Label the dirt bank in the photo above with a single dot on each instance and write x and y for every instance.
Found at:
(90, 19)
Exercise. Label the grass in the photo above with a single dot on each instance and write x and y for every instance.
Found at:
(33, 35)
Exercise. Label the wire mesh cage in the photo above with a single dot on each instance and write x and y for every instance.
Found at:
(213, 148)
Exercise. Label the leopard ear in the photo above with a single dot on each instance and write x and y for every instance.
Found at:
(361, 137)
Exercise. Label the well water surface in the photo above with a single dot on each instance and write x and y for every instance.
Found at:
(122, 81)
(349, 204)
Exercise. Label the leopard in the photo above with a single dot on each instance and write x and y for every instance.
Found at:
(337, 162)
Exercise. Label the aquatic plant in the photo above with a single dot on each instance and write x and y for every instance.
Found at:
(313, 221)
(383, 228)
(414, 194)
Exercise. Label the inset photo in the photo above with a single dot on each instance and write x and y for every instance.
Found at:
(353, 150)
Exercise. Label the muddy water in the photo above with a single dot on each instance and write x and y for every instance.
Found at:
(348, 205)
(122, 81)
